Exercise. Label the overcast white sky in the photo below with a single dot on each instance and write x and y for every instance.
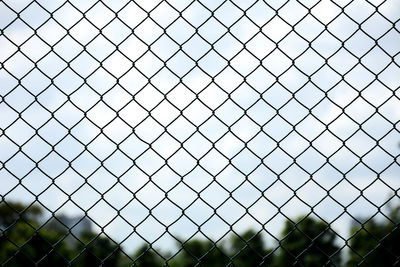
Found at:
(201, 107)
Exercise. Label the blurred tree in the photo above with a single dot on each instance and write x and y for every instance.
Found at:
(145, 256)
(97, 250)
(376, 243)
(307, 243)
(12, 212)
(21, 241)
(201, 253)
(249, 249)
(24, 243)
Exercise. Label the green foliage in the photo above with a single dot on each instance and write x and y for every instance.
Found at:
(307, 243)
(97, 250)
(202, 253)
(24, 243)
(145, 256)
(21, 244)
(248, 249)
(376, 243)
(14, 211)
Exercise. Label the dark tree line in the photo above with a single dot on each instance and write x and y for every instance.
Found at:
(377, 243)
(303, 242)
(24, 243)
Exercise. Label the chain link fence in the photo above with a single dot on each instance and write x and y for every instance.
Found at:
(199, 133)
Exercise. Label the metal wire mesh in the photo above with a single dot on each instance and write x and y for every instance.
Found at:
(167, 121)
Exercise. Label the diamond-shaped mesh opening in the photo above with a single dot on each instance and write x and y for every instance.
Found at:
(199, 133)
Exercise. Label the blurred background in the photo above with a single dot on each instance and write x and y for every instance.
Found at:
(162, 123)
